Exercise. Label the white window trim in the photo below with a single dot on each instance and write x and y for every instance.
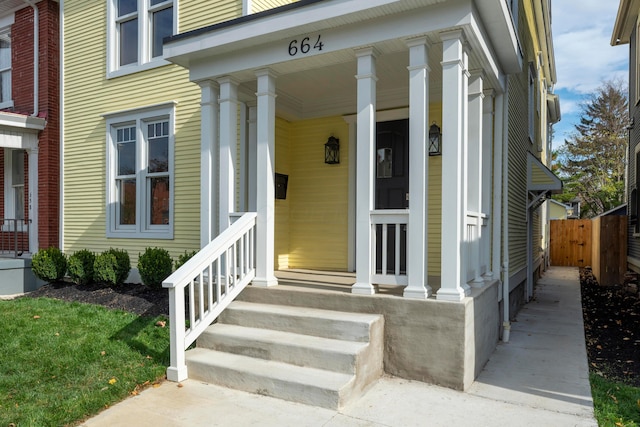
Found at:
(5, 27)
(9, 192)
(145, 61)
(141, 230)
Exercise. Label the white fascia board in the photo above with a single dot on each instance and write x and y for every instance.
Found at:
(22, 122)
(397, 26)
(314, 17)
(497, 21)
(485, 50)
(625, 22)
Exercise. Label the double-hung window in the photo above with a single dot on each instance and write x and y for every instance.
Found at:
(532, 102)
(135, 32)
(140, 173)
(5, 69)
(14, 167)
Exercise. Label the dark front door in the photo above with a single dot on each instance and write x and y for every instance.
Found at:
(392, 186)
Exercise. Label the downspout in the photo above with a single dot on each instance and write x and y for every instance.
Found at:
(506, 324)
(61, 126)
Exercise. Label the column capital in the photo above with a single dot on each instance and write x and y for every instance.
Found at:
(228, 80)
(416, 41)
(367, 51)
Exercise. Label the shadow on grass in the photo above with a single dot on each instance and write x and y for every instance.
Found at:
(143, 331)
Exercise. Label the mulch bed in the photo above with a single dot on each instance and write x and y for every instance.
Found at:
(611, 325)
(134, 298)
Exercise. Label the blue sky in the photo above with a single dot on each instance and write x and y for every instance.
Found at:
(581, 32)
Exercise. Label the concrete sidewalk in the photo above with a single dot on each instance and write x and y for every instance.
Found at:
(539, 378)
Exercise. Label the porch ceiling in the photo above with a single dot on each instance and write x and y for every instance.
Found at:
(323, 83)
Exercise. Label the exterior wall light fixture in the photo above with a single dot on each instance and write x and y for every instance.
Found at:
(435, 137)
(332, 151)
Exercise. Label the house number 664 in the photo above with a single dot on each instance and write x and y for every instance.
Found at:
(304, 46)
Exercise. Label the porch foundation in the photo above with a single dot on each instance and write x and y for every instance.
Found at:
(16, 277)
(439, 342)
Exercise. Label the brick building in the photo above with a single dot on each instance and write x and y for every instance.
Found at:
(29, 129)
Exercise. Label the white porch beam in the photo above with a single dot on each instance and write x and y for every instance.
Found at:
(265, 186)
(474, 170)
(453, 137)
(418, 170)
(365, 146)
(33, 199)
(208, 160)
(228, 148)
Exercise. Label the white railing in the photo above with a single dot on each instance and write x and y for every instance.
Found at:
(473, 242)
(206, 284)
(389, 246)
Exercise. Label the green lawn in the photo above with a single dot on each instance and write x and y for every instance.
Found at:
(62, 362)
(615, 404)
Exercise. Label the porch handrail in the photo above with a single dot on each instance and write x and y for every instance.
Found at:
(213, 277)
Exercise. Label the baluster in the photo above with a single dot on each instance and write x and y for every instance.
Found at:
(385, 238)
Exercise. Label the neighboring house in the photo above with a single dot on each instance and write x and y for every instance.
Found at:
(29, 137)
(558, 210)
(626, 31)
(405, 141)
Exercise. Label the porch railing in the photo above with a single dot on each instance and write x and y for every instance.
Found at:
(389, 236)
(14, 237)
(474, 244)
(206, 284)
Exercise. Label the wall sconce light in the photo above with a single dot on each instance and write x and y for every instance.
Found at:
(435, 137)
(332, 151)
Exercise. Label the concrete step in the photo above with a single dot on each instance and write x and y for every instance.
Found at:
(300, 384)
(317, 357)
(296, 349)
(310, 321)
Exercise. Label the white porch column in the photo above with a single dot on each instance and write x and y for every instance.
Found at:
(265, 186)
(228, 148)
(33, 199)
(208, 160)
(365, 146)
(474, 170)
(252, 159)
(454, 100)
(487, 168)
(418, 170)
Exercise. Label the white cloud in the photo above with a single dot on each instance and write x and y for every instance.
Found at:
(582, 33)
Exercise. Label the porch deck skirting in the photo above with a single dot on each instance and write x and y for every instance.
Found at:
(439, 342)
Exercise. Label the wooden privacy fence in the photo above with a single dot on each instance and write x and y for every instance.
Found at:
(571, 242)
(600, 243)
(609, 254)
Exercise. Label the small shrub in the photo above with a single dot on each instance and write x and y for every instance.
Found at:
(112, 266)
(184, 258)
(49, 264)
(81, 266)
(154, 266)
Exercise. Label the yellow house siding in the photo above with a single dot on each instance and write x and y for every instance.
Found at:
(198, 14)
(260, 5)
(88, 96)
(319, 196)
(434, 210)
(517, 171)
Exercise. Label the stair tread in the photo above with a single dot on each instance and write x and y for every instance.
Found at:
(292, 338)
(306, 311)
(319, 378)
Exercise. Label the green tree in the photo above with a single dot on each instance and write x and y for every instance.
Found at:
(592, 160)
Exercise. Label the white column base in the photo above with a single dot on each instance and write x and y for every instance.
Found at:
(417, 293)
(450, 294)
(363, 289)
(177, 374)
(264, 282)
(477, 282)
(488, 275)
